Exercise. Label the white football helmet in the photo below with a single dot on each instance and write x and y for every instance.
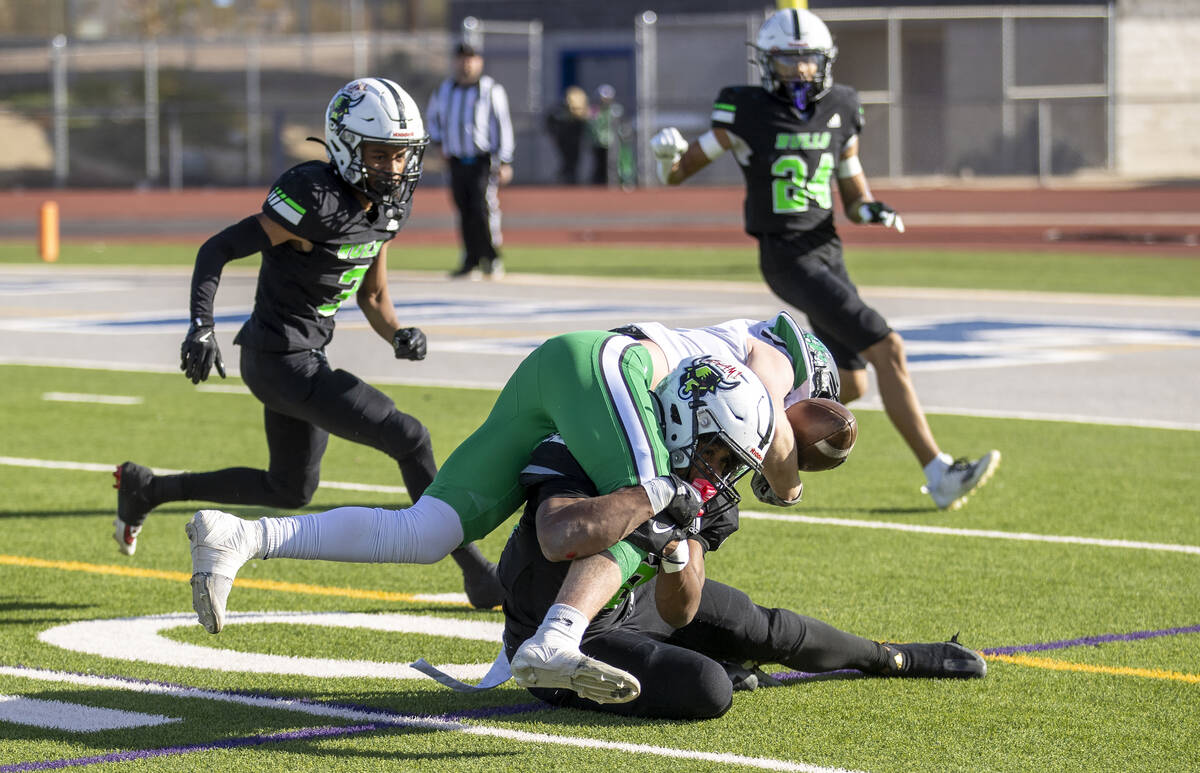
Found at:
(375, 110)
(705, 401)
(786, 36)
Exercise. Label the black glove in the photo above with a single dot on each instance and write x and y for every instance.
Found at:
(878, 212)
(685, 505)
(409, 343)
(763, 491)
(199, 353)
(654, 535)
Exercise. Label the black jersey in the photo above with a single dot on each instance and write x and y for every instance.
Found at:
(299, 292)
(531, 582)
(792, 161)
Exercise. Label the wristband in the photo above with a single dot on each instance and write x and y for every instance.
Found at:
(677, 559)
(710, 145)
(849, 167)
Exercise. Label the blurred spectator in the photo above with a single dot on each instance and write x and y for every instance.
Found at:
(603, 131)
(566, 126)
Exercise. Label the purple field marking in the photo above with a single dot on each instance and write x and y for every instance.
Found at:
(387, 719)
(228, 743)
(1090, 641)
(483, 713)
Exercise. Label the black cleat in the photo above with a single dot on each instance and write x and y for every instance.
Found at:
(483, 587)
(942, 660)
(748, 676)
(133, 483)
(481, 578)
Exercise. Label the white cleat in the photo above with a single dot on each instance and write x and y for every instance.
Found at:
(547, 667)
(221, 543)
(126, 536)
(961, 479)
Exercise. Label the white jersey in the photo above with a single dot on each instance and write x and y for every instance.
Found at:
(815, 371)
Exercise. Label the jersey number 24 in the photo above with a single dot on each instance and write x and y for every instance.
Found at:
(792, 187)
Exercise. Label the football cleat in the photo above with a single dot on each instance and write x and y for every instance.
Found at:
(942, 660)
(748, 676)
(544, 666)
(133, 482)
(961, 479)
(483, 587)
(126, 536)
(221, 543)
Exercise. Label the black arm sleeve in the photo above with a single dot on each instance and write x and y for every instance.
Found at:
(237, 241)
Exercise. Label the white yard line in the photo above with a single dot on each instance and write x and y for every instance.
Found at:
(46, 464)
(404, 720)
(78, 397)
(977, 533)
(749, 514)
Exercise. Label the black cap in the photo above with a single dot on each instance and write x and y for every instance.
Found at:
(466, 49)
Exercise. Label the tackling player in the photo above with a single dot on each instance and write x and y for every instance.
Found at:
(683, 640)
(791, 136)
(323, 233)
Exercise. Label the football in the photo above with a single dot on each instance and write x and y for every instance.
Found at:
(825, 432)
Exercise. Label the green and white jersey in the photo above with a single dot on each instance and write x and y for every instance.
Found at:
(788, 161)
(299, 292)
(815, 370)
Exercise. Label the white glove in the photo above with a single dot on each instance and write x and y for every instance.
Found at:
(765, 494)
(668, 143)
(667, 146)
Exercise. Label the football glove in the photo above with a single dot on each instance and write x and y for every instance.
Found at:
(409, 343)
(765, 494)
(685, 504)
(667, 146)
(199, 353)
(654, 535)
(668, 143)
(878, 212)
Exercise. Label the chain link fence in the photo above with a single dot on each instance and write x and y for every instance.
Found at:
(961, 92)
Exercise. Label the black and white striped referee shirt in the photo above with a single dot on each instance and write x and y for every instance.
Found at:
(471, 120)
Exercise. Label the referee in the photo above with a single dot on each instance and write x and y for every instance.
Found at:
(468, 117)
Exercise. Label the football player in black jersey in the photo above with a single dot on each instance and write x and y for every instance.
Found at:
(323, 233)
(684, 641)
(792, 136)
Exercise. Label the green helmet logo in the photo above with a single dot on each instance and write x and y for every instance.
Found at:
(704, 376)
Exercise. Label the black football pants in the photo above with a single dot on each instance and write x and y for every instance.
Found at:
(305, 401)
(680, 669)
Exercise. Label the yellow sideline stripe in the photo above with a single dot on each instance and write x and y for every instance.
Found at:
(1062, 665)
(159, 574)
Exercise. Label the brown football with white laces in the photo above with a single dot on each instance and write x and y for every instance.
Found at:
(825, 432)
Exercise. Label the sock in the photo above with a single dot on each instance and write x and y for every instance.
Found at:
(934, 470)
(563, 621)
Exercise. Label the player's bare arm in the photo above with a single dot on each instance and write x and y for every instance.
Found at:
(570, 528)
(677, 593)
(860, 205)
(780, 465)
(375, 300)
(679, 160)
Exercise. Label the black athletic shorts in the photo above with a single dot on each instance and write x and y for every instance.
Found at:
(807, 271)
